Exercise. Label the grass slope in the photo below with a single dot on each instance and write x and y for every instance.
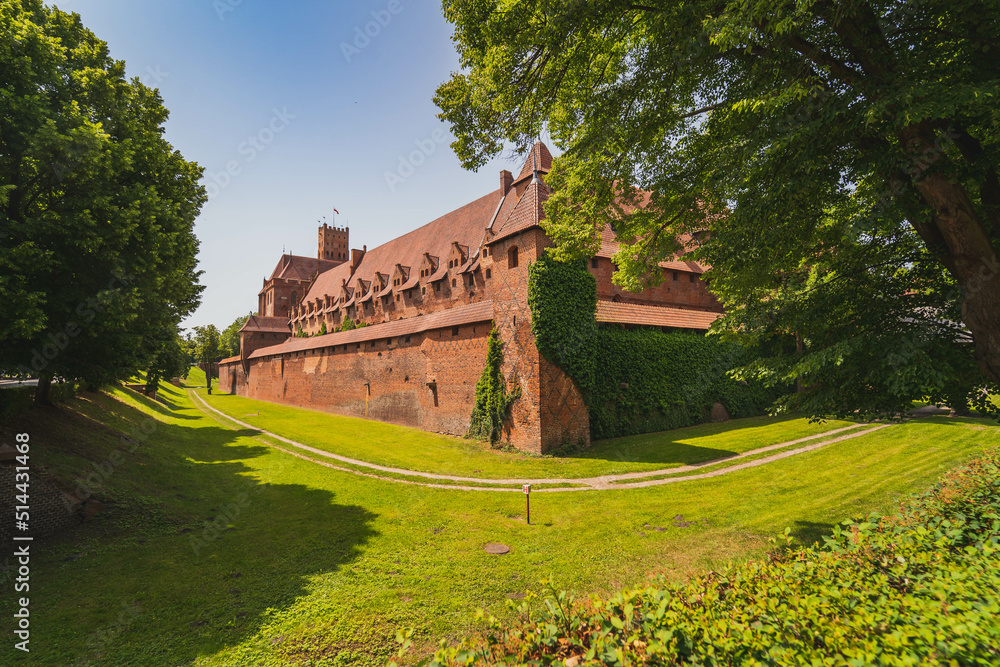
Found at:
(307, 565)
(413, 449)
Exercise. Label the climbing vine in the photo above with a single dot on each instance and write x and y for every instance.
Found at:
(493, 400)
(633, 380)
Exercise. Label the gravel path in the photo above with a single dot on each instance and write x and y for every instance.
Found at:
(601, 483)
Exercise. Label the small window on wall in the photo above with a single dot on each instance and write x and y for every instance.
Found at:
(453, 282)
(489, 273)
(691, 277)
(593, 262)
(454, 331)
(677, 276)
(512, 257)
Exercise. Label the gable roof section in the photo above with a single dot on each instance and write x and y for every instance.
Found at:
(657, 316)
(296, 267)
(539, 158)
(526, 213)
(476, 312)
(265, 324)
(465, 225)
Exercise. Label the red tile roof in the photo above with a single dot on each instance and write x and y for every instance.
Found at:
(476, 312)
(465, 225)
(296, 267)
(229, 360)
(267, 324)
(658, 316)
(526, 213)
(538, 158)
(609, 246)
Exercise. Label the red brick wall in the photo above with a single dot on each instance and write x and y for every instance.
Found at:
(550, 411)
(688, 291)
(429, 383)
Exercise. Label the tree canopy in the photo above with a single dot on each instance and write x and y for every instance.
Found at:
(97, 247)
(229, 339)
(842, 155)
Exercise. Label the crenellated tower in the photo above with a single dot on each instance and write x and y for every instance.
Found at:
(333, 243)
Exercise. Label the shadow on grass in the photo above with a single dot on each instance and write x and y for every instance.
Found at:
(808, 533)
(194, 547)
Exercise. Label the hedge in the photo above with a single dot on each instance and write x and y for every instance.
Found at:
(918, 587)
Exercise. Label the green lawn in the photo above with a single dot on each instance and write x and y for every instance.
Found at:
(413, 449)
(319, 567)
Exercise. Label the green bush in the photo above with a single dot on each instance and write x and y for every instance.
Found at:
(919, 587)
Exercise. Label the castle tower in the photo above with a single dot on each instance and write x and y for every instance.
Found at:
(333, 243)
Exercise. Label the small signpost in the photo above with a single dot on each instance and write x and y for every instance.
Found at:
(527, 500)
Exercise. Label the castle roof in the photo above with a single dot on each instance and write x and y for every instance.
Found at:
(609, 246)
(265, 324)
(465, 225)
(476, 312)
(525, 214)
(539, 158)
(658, 316)
(296, 267)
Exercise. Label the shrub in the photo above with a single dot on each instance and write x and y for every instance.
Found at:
(493, 401)
(918, 587)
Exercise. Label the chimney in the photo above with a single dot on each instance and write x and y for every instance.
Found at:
(506, 180)
(356, 257)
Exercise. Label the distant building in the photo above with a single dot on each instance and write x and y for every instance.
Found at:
(429, 299)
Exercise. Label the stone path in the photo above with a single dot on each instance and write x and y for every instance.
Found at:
(601, 483)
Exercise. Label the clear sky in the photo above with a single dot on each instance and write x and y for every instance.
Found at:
(307, 125)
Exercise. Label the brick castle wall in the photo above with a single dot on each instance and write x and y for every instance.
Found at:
(551, 411)
(428, 382)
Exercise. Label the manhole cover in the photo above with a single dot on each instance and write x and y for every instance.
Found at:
(496, 548)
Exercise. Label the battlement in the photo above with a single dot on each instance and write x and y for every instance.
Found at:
(334, 243)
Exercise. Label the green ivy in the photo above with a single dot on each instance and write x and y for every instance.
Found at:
(563, 301)
(493, 401)
(633, 380)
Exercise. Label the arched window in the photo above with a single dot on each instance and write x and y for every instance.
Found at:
(512, 257)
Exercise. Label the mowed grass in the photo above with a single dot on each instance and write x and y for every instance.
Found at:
(318, 567)
(413, 449)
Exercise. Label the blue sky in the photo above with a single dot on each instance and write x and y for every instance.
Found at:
(289, 127)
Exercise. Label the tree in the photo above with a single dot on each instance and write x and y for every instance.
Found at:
(322, 329)
(493, 400)
(168, 359)
(229, 339)
(98, 252)
(208, 351)
(833, 149)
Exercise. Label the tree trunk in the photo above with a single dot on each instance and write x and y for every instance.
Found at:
(208, 375)
(958, 237)
(42, 390)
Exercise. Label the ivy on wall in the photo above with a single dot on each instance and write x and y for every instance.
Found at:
(563, 301)
(493, 400)
(633, 380)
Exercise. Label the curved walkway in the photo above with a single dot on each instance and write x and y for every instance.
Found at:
(601, 483)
